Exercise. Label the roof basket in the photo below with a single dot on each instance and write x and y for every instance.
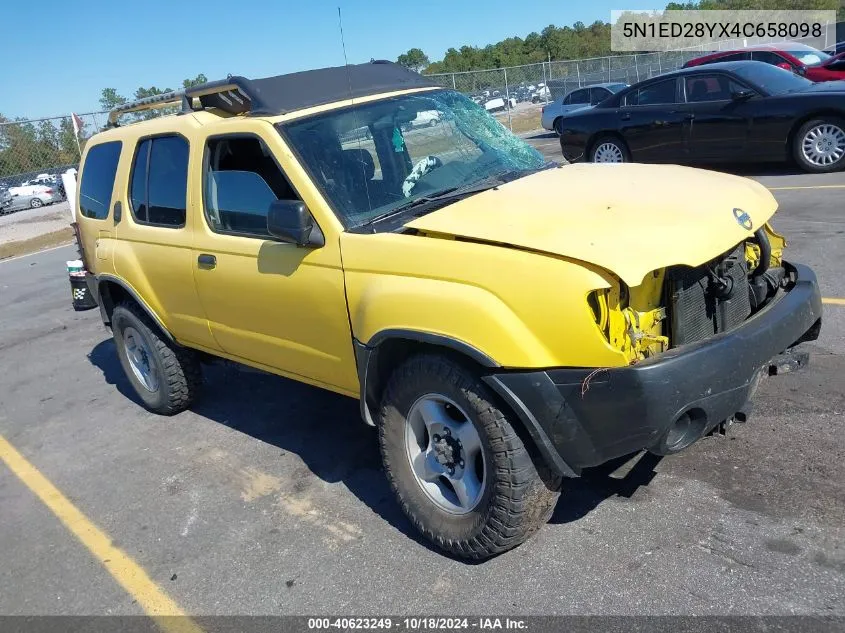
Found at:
(227, 94)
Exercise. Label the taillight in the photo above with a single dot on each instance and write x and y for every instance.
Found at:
(50, 191)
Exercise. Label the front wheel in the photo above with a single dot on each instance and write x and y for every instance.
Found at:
(819, 145)
(462, 474)
(609, 149)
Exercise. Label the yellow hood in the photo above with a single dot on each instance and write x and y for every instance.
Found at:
(629, 219)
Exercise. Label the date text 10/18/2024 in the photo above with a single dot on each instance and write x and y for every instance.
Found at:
(426, 623)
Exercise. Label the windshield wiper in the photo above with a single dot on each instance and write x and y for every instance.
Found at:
(454, 193)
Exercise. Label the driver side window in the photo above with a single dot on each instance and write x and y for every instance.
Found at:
(241, 179)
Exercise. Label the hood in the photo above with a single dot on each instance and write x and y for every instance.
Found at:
(826, 86)
(629, 219)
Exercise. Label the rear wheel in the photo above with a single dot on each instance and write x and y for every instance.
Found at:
(609, 149)
(462, 474)
(165, 376)
(35, 203)
(819, 145)
(556, 126)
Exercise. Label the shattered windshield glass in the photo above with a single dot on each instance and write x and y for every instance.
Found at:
(373, 158)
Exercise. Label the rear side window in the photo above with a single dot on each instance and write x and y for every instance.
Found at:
(98, 180)
(659, 93)
(159, 183)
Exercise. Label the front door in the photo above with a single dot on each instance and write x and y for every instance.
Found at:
(269, 303)
(652, 121)
(719, 125)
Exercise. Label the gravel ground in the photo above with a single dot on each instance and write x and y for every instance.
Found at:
(29, 223)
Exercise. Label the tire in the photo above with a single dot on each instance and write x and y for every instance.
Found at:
(35, 203)
(517, 494)
(433, 122)
(817, 141)
(556, 126)
(177, 376)
(611, 144)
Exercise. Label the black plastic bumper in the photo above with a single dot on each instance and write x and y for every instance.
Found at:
(585, 417)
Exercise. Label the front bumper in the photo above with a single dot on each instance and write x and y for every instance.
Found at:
(583, 417)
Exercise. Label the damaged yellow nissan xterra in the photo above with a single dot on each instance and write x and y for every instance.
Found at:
(505, 322)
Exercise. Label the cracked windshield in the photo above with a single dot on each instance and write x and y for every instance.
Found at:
(381, 158)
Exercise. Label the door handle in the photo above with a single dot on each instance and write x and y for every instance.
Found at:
(207, 261)
(626, 116)
(689, 116)
(118, 211)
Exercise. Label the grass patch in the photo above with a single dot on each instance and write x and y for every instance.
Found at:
(521, 121)
(35, 244)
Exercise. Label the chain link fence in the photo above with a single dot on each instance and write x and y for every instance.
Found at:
(516, 94)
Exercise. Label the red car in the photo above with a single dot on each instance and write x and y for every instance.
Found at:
(805, 60)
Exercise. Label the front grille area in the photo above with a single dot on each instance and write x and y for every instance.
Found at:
(698, 307)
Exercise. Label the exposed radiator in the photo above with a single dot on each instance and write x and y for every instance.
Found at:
(698, 308)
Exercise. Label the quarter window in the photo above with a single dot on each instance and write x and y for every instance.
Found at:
(597, 95)
(659, 93)
(580, 96)
(159, 182)
(242, 179)
(95, 190)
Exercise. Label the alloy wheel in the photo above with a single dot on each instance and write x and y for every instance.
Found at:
(445, 453)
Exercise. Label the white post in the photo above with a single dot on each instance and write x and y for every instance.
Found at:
(508, 100)
(454, 87)
(637, 68)
(546, 82)
(578, 73)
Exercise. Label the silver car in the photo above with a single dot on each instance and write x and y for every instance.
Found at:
(577, 100)
(30, 198)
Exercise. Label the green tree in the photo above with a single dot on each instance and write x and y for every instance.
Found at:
(414, 59)
(199, 79)
(110, 99)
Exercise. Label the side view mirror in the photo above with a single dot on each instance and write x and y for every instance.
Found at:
(290, 221)
(801, 70)
(784, 65)
(742, 95)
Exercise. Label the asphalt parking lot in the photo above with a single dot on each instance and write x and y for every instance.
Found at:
(267, 497)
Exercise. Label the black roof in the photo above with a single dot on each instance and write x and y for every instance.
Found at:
(709, 68)
(285, 93)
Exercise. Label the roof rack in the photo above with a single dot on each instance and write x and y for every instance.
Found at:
(284, 93)
(226, 94)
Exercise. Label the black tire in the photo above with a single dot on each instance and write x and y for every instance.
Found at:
(35, 203)
(519, 493)
(178, 368)
(798, 140)
(614, 140)
(556, 125)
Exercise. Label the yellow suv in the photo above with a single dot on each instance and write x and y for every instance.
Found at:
(505, 322)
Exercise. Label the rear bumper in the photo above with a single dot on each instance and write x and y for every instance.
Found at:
(584, 417)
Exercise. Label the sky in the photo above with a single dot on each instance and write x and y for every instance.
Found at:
(79, 48)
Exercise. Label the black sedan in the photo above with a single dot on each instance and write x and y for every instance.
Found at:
(728, 112)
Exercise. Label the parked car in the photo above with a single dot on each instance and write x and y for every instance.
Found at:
(499, 104)
(577, 100)
(805, 60)
(498, 338)
(730, 111)
(5, 201)
(426, 118)
(31, 197)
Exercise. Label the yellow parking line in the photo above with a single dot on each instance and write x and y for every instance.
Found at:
(123, 569)
(808, 187)
(833, 301)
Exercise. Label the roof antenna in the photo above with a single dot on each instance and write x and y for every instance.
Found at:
(352, 101)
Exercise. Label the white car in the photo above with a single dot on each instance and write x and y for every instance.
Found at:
(577, 100)
(426, 118)
(498, 104)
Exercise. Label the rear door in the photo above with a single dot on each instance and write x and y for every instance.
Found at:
(153, 248)
(651, 122)
(94, 203)
(718, 126)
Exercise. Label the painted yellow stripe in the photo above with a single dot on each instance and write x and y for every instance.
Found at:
(833, 301)
(807, 187)
(123, 569)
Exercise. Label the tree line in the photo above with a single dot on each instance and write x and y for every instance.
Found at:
(27, 146)
(578, 41)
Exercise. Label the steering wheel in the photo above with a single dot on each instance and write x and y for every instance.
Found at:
(422, 167)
